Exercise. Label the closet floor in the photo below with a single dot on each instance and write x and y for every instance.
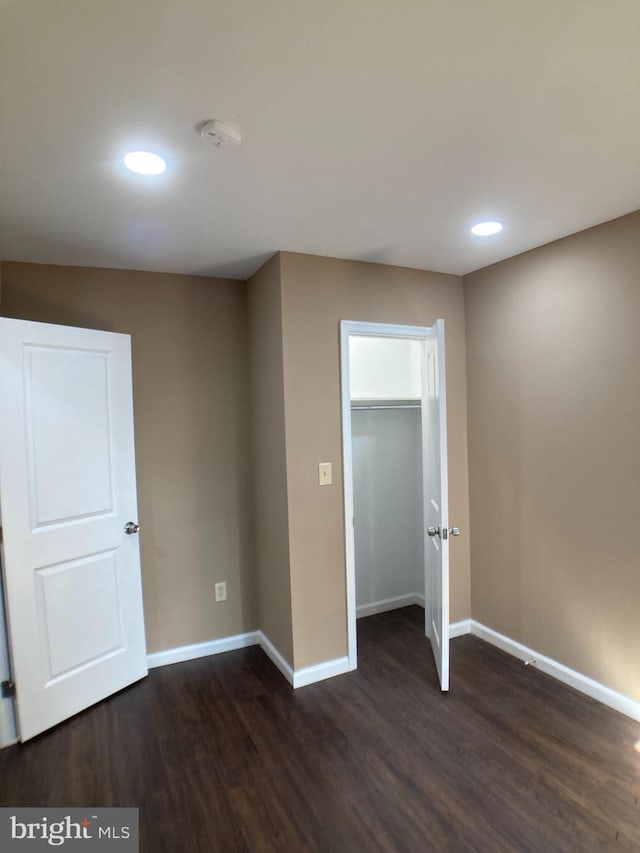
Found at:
(221, 755)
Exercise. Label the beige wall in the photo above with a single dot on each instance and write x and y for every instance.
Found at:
(316, 294)
(269, 457)
(553, 361)
(552, 355)
(189, 340)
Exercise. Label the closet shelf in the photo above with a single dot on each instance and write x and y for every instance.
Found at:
(358, 405)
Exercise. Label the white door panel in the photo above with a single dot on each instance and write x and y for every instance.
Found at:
(67, 422)
(75, 635)
(67, 488)
(436, 503)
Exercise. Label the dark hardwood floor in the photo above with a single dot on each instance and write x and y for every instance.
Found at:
(221, 755)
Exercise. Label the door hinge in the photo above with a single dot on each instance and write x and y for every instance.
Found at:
(1, 536)
(8, 689)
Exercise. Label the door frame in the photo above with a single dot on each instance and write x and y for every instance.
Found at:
(8, 722)
(349, 328)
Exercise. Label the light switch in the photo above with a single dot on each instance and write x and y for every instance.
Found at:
(324, 474)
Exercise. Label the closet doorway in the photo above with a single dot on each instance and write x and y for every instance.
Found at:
(395, 477)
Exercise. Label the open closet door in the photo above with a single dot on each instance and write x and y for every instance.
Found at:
(436, 499)
(68, 498)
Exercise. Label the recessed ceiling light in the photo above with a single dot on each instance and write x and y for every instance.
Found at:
(486, 229)
(145, 163)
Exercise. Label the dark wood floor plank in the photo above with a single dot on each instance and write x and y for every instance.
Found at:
(221, 756)
(620, 804)
(509, 768)
(492, 777)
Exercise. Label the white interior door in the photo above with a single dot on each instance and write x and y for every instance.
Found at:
(67, 489)
(436, 503)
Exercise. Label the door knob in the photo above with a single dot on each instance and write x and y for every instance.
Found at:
(455, 531)
(433, 531)
(131, 527)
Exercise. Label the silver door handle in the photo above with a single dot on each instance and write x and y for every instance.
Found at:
(131, 527)
(436, 531)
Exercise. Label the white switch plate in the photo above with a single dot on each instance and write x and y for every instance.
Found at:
(324, 474)
(221, 591)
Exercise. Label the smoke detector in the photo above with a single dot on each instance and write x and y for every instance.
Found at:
(220, 134)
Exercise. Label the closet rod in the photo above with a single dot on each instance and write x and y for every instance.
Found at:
(389, 406)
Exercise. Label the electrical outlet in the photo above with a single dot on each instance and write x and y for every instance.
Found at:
(221, 591)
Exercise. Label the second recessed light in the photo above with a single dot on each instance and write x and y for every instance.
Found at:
(486, 229)
(145, 163)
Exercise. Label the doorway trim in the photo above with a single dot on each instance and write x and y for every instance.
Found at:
(352, 328)
(8, 724)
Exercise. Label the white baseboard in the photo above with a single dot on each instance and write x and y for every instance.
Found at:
(299, 678)
(201, 650)
(320, 671)
(458, 629)
(389, 604)
(328, 669)
(617, 701)
(276, 658)
(306, 675)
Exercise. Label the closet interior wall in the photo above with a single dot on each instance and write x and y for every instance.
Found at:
(387, 473)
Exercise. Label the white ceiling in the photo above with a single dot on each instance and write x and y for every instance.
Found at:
(377, 130)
